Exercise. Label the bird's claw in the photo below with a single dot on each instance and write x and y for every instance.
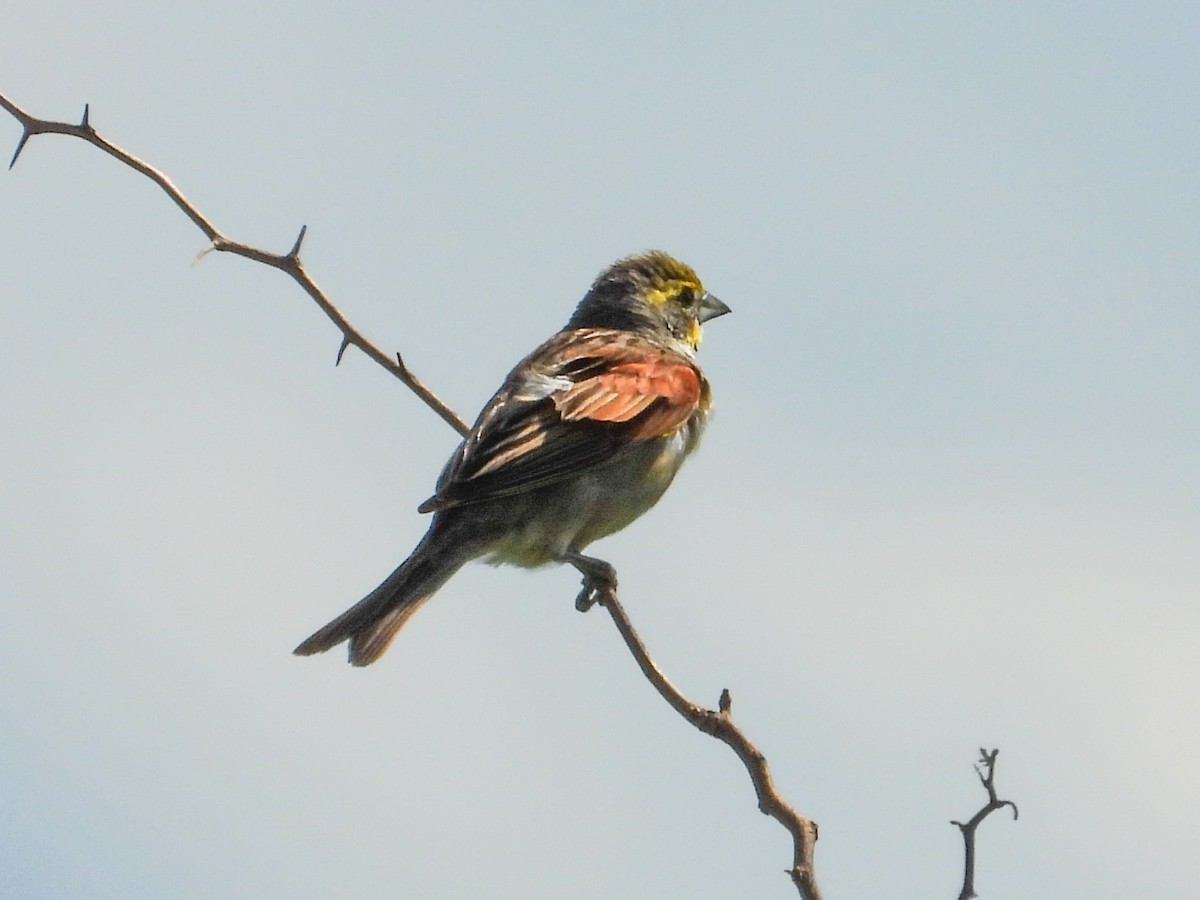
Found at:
(595, 590)
(599, 580)
(587, 598)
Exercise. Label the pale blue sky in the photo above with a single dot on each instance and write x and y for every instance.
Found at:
(951, 496)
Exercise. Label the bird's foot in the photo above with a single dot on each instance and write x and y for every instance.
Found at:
(599, 581)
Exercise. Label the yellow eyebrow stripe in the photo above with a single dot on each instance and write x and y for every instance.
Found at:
(671, 289)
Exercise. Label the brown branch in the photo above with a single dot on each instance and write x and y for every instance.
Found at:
(288, 263)
(986, 770)
(718, 724)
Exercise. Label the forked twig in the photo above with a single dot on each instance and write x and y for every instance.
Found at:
(718, 724)
(986, 770)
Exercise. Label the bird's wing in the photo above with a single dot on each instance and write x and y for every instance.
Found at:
(581, 399)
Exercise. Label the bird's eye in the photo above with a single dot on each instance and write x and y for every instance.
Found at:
(687, 297)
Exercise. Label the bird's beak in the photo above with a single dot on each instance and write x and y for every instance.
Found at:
(710, 307)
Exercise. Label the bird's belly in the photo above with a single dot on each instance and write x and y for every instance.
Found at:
(569, 515)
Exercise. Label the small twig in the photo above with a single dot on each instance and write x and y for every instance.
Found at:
(720, 725)
(288, 262)
(986, 770)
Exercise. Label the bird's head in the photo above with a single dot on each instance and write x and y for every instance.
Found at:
(650, 293)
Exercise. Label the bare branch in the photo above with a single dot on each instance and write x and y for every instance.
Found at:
(986, 770)
(720, 725)
(288, 263)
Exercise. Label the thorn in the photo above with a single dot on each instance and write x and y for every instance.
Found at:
(20, 146)
(294, 253)
(341, 350)
(85, 124)
(725, 704)
(212, 245)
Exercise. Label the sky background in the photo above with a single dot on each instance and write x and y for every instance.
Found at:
(950, 497)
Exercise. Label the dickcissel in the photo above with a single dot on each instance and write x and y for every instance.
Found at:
(584, 436)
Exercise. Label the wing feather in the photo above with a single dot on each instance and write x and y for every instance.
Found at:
(583, 398)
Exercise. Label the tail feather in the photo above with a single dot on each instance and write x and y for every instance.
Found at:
(369, 644)
(372, 623)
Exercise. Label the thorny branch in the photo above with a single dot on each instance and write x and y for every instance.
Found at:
(718, 724)
(288, 262)
(986, 770)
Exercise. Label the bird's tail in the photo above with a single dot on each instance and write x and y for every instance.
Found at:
(372, 623)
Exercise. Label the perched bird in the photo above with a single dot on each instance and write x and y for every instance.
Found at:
(583, 437)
